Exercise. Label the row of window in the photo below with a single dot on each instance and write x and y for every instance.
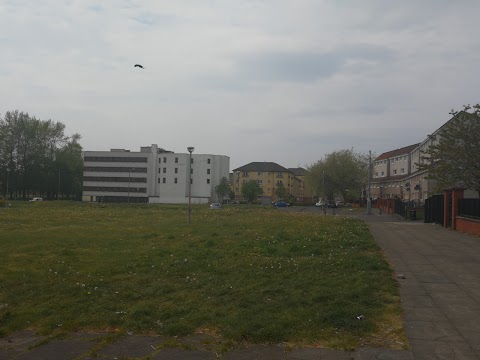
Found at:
(115, 159)
(175, 181)
(114, 169)
(402, 171)
(164, 171)
(176, 160)
(392, 161)
(115, 179)
(115, 189)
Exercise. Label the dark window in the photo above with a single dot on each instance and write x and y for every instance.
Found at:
(159, 170)
(113, 169)
(114, 189)
(176, 160)
(175, 180)
(191, 171)
(208, 171)
(115, 179)
(208, 181)
(159, 180)
(164, 170)
(114, 159)
(208, 161)
(164, 180)
(159, 160)
(176, 170)
(164, 159)
(191, 181)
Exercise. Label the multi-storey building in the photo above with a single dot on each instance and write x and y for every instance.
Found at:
(269, 176)
(396, 173)
(302, 192)
(152, 175)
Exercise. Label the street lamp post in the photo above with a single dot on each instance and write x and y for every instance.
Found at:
(190, 150)
(129, 171)
(58, 190)
(369, 201)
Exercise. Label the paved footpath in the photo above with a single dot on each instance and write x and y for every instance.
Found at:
(441, 290)
(440, 294)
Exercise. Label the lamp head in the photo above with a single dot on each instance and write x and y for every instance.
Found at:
(190, 149)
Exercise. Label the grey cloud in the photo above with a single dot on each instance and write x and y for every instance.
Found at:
(295, 67)
(150, 19)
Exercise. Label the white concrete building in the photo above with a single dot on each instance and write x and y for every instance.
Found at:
(152, 175)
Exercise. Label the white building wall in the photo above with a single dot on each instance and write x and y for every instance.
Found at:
(167, 176)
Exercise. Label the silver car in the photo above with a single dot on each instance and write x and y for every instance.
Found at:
(215, 206)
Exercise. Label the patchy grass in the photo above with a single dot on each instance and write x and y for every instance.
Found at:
(251, 274)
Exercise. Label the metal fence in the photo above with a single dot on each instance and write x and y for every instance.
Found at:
(434, 209)
(469, 208)
(403, 208)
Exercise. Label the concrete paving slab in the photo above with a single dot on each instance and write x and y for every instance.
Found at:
(382, 354)
(256, 352)
(317, 354)
(21, 340)
(131, 346)
(7, 354)
(180, 354)
(61, 349)
(430, 330)
(409, 300)
(425, 349)
(419, 313)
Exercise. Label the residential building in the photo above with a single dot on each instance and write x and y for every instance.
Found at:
(396, 174)
(269, 176)
(302, 192)
(152, 175)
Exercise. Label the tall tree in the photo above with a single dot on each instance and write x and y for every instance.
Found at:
(29, 148)
(281, 191)
(251, 190)
(453, 159)
(223, 188)
(338, 174)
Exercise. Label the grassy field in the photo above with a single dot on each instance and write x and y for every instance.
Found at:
(253, 274)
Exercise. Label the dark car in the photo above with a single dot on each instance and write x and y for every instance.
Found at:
(331, 204)
(281, 203)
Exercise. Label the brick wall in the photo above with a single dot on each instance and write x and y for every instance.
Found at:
(469, 226)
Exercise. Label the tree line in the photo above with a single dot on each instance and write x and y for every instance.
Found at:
(37, 158)
(341, 173)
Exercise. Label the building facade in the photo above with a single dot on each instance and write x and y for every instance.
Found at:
(152, 175)
(270, 176)
(396, 174)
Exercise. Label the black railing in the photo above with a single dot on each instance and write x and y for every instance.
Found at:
(469, 208)
(434, 209)
(403, 208)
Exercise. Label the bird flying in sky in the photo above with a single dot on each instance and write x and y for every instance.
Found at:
(139, 66)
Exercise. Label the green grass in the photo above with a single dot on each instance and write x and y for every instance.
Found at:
(252, 274)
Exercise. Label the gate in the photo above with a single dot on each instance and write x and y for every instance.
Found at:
(434, 209)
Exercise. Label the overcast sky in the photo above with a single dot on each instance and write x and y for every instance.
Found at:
(256, 80)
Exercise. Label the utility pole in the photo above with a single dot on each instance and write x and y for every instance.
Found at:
(369, 202)
(190, 150)
(58, 190)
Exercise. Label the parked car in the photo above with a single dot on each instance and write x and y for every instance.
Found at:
(36, 199)
(280, 203)
(340, 203)
(215, 206)
(321, 203)
(331, 204)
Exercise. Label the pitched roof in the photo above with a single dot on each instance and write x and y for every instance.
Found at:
(299, 171)
(262, 166)
(392, 153)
